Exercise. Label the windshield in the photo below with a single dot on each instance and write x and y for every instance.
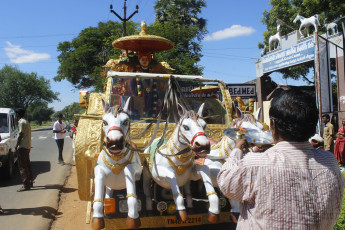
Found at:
(148, 98)
(3, 123)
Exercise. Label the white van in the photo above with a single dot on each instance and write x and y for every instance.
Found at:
(8, 140)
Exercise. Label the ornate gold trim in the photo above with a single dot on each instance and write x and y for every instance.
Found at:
(131, 195)
(117, 168)
(211, 193)
(183, 157)
(115, 158)
(180, 169)
(176, 194)
(98, 200)
(227, 100)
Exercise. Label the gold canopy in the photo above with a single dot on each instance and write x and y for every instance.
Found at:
(205, 89)
(143, 42)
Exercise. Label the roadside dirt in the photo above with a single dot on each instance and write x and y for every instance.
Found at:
(72, 210)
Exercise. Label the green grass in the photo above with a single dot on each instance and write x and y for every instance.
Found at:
(34, 125)
(340, 224)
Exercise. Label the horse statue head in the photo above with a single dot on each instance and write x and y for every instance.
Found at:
(298, 17)
(190, 131)
(254, 128)
(116, 124)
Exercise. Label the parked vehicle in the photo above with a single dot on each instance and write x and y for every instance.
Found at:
(9, 136)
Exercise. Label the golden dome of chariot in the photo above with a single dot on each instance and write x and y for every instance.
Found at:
(143, 42)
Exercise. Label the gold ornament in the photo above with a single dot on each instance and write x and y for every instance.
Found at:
(117, 168)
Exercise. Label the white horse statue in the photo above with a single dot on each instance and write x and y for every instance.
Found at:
(263, 51)
(306, 22)
(171, 166)
(275, 39)
(117, 166)
(212, 165)
(331, 27)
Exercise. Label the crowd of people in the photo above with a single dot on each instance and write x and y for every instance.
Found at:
(333, 139)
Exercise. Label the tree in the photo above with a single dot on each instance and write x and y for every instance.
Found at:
(69, 111)
(286, 10)
(39, 112)
(179, 21)
(82, 59)
(20, 90)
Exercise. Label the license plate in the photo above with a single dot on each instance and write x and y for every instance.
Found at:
(172, 221)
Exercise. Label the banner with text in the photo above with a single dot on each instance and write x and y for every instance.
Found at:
(236, 90)
(242, 90)
(297, 54)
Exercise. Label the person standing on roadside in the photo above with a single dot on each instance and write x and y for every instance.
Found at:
(328, 133)
(291, 185)
(59, 130)
(339, 150)
(23, 147)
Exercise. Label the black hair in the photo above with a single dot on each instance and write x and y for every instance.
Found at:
(326, 116)
(60, 115)
(295, 115)
(20, 112)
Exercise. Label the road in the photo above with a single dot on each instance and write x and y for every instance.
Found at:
(36, 209)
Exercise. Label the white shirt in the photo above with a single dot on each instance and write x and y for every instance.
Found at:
(59, 127)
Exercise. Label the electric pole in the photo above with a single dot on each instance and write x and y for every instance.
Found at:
(124, 19)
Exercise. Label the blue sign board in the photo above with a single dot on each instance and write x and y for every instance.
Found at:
(297, 54)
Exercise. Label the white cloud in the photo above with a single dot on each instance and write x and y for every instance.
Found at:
(18, 55)
(233, 31)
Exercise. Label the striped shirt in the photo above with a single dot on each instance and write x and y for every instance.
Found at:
(289, 186)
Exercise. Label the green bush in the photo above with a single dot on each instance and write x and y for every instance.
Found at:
(340, 224)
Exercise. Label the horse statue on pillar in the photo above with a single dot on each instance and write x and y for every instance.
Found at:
(275, 39)
(117, 166)
(333, 27)
(307, 22)
(171, 164)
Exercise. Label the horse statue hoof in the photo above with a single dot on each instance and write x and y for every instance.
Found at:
(97, 223)
(133, 223)
(182, 215)
(213, 218)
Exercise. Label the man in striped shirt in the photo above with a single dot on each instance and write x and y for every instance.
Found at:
(291, 185)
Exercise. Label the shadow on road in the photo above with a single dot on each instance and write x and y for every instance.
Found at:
(44, 211)
(52, 186)
(38, 167)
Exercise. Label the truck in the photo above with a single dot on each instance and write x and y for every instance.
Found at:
(125, 78)
(8, 140)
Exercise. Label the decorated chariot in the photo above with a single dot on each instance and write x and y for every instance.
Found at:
(149, 148)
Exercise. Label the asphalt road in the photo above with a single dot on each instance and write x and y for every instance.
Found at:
(35, 209)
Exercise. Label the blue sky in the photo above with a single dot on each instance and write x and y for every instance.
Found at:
(31, 30)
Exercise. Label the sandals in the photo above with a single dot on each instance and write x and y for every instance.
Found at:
(22, 189)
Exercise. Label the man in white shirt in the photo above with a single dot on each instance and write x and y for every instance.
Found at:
(59, 130)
